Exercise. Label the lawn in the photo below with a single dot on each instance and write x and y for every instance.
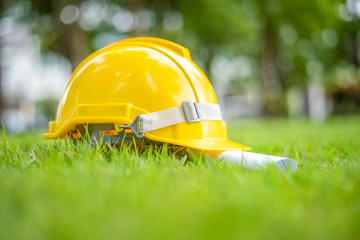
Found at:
(55, 190)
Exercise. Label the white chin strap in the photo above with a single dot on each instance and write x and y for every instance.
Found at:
(190, 112)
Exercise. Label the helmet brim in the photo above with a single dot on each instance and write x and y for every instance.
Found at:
(207, 144)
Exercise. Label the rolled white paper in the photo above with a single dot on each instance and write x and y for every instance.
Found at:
(256, 160)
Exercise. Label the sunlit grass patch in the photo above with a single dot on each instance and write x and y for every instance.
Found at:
(58, 190)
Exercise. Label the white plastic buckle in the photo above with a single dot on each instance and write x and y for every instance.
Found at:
(191, 111)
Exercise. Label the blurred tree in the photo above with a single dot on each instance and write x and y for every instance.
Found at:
(55, 22)
(215, 26)
(47, 108)
(2, 104)
(292, 43)
(270, 72)
(283, 40)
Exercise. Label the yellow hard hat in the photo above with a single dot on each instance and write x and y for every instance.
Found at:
(151, 88)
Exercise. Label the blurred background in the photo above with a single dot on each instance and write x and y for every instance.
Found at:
(265, 58)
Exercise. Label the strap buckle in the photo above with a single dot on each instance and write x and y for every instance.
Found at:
(135, 127)
(191, 111)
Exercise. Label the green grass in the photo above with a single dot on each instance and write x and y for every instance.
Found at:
(53, 190)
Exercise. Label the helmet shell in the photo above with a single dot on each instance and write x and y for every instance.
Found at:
(139, 76)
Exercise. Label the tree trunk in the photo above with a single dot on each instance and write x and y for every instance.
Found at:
(76, 46)
(270, 73)
(2, 103)
(73, 44)
(135, 6)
